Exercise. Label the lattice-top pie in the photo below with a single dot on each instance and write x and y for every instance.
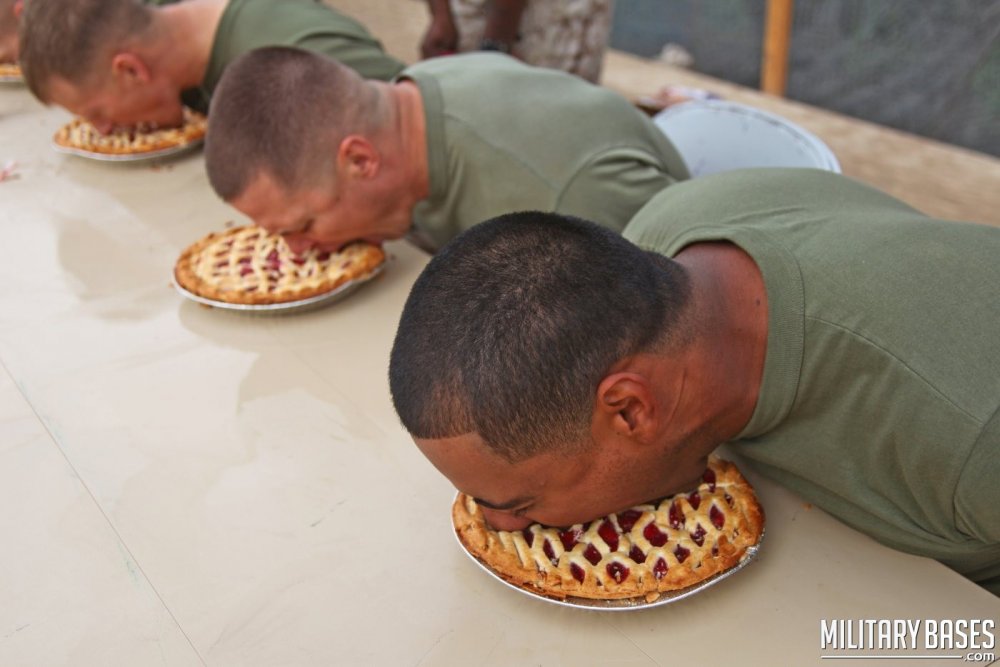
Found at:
(246, 265)
(10, 71)
(638, 553)
(80, 135)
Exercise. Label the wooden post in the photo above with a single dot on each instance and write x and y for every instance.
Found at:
(777, 36)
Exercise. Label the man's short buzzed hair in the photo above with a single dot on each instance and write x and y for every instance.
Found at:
(283, 111)
(511, 327)
(66, 38)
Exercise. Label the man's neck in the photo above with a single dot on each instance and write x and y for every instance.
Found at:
(731, 308)
(408, 127)
(187, 33)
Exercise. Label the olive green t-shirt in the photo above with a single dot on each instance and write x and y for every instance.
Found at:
(881, 385)
(503, 136)
(307, 24)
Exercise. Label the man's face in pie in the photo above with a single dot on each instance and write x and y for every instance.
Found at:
(8, 31)
(8, 47)
(326, 218)
(109, 104)
(553, 488)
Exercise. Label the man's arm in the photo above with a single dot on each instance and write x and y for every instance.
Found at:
(503, 22)
(500, 33)
(441, 37)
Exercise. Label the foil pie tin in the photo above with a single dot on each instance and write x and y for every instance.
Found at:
(625, 604)
(715, 136)
(129, 157)
(287, 307)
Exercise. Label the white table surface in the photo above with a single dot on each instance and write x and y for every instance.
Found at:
(186, 486)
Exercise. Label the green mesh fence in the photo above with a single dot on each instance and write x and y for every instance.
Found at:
(931, 67)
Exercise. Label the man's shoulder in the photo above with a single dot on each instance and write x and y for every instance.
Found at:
(261, 14)
(494, 77)
(496, 91)
(466, 64)
(777, 200)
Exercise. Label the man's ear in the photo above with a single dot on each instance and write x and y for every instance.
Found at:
(129, 69)
(357, 157)
(626, 406)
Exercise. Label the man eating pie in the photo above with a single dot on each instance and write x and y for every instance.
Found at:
(124, 62)
(842, 343)
(449, 143)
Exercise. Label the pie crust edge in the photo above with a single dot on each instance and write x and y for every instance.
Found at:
(366, 259)
(10, 70)
(193, 129)
(485, 545)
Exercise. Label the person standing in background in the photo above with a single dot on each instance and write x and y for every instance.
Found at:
(570, 35)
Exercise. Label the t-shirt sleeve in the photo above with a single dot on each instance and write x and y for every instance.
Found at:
(364, 57)
(977, 495)
(613, 186)
(250, 24)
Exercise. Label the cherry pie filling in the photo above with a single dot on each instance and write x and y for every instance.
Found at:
(642, 541)
(248, 265)
(626, 521)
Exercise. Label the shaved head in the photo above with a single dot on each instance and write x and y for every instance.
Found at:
(284, 111)
(511, 327)
(69, 40)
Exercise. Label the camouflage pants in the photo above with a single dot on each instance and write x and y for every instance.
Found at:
(570, 35)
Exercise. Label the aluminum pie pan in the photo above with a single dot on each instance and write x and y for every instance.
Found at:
(287, 307)
(624, 604)
(129, 157)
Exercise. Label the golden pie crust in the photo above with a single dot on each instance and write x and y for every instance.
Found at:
(641, 552)
(10, 70)
(80, 135)
(246, 265)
